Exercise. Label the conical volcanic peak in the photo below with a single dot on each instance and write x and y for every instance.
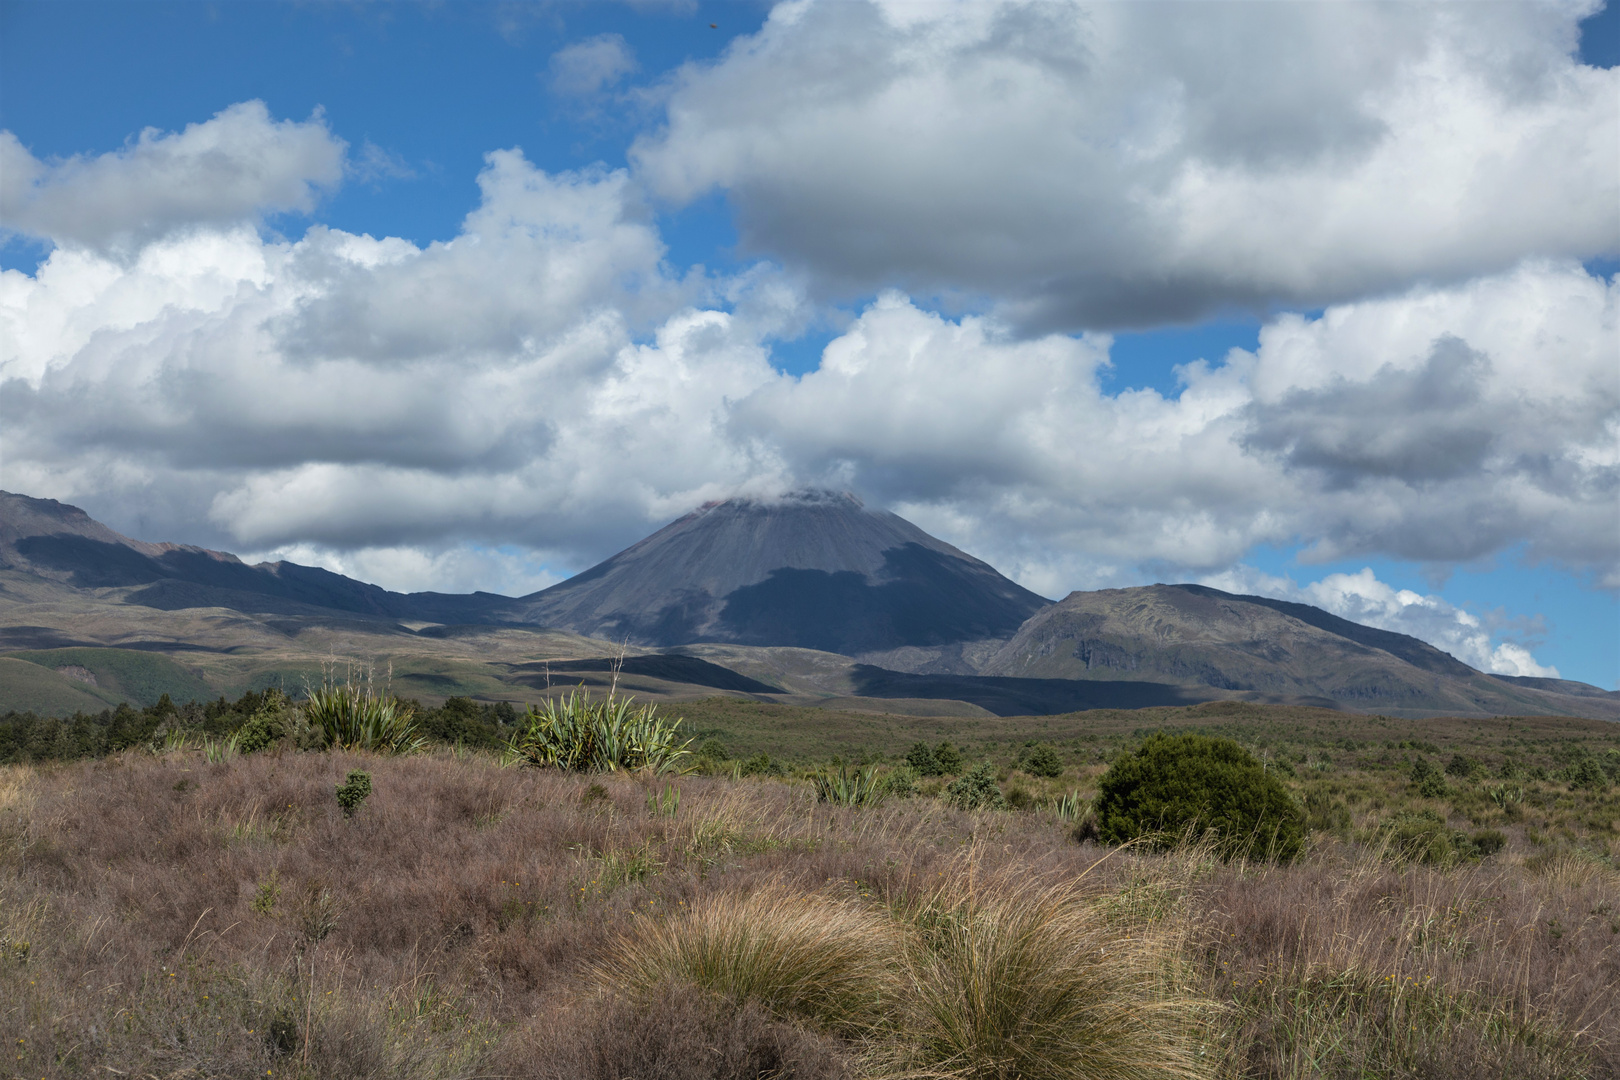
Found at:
(813, 569)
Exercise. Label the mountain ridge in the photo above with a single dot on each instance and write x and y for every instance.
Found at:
(873, 605)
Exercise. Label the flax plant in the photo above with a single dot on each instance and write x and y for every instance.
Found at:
(843, 787)
(353, 716)
(581, 735)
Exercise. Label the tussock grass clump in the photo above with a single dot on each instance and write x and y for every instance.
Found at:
(972, 982)
(581, 735)
(796, 956)
(1007, 984)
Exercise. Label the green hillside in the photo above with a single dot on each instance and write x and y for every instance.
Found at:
(29, 687)
(120, 674)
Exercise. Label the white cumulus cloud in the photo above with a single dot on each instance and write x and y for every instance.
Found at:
(591, 66)
(229, 169)
(1098, 165)
(543, 386)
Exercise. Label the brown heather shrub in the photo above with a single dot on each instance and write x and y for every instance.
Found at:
(678, 1032)
(163, 916)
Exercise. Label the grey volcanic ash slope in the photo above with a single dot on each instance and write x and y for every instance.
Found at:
(816, 570)
(1190, 635)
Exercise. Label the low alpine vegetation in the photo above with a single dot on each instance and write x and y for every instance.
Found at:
(353, 791)
(579, 734)
(353, 716)
(844, 786)
(1174, 786)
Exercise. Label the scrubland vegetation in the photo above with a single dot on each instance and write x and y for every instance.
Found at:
(180, 908)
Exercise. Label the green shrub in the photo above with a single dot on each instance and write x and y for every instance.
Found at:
(901, 782)
(977, 790)
(1430, 782)
(1174, 785)
(1326, 814)
(712, 750)
(923, 762)
(1041, 760)
(352, 792)
(1588, 773)
(268, 724)
(761, 764)
(1462, 767)
(1423, 836)
(949, 758)
(582, 735)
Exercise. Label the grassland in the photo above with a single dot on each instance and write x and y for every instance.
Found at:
(164, 915)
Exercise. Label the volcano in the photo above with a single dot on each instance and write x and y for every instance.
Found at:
(814, 569)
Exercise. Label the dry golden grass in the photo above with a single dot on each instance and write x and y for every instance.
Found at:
(171, 917)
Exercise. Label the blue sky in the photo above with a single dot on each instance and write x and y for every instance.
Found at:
(1030, 290)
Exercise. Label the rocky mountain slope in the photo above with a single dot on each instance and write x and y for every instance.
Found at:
(1192, 636)
(815, 570)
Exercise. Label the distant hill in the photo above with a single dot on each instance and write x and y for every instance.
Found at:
(815, 570)
(62, 543)
(1192, 636)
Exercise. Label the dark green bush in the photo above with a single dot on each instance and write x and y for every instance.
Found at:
(1430, 781)
(1041, 760)
(712, 750)
(949, 758)
(761, 764)
(1462, 766)
(268, 724)
(1179, 784)
(353, 792)
(977, 790)
(923, 762)
(1588, 773)
(901, 782)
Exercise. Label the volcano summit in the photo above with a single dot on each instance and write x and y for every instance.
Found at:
(814, 569)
